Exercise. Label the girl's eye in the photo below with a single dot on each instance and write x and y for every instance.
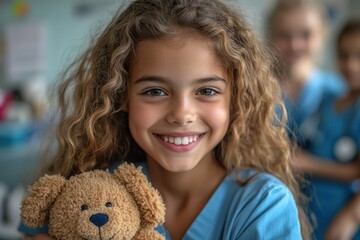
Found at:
(84, 207)
(155, 92)
(207, 92)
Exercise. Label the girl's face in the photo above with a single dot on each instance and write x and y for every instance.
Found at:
(298, 35)
(349, 59)
(179, 101)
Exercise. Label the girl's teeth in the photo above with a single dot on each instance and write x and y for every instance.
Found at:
(185, 141)
(179, 140)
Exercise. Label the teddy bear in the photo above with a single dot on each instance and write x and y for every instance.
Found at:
(95, 205)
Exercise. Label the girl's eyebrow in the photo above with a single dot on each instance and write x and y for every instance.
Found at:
(160, 79)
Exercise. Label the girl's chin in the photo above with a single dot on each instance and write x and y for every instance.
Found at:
(177, 166)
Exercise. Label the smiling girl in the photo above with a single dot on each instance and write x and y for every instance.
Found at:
(184, 89)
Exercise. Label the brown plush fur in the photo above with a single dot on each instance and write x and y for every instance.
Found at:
(96, 205)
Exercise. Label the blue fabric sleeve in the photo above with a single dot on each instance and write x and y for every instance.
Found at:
(273, 215)
(31, 231)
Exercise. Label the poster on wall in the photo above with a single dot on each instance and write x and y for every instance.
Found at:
(25, 50)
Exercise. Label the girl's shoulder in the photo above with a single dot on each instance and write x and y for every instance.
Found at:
(260, 184)
(264, 194)
(258, 199)
(251, 191)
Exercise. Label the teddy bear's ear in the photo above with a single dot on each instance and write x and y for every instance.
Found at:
(148, 199)
(41, 195)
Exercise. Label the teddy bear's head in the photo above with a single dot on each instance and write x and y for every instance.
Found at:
(95, 205)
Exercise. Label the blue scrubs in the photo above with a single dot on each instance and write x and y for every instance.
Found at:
(321, 83)
(329, 197)
(264, 208)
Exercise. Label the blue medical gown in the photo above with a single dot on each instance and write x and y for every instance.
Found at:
(262, 209)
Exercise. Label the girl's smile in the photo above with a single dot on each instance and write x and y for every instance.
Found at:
(179, 101)
(180, 142)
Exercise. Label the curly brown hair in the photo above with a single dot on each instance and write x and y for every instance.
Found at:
(93, 131)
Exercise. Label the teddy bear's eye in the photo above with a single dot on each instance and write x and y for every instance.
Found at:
(84, 207)
(108, 204)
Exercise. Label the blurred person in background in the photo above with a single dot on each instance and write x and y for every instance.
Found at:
(297, 31)
(332, 156)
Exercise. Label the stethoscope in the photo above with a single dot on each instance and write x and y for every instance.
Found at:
(344, 148)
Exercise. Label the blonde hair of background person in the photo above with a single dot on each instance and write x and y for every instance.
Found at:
(97, 127)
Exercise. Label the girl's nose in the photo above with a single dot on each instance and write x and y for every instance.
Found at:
(181, 112)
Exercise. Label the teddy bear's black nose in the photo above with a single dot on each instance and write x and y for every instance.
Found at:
(99, 219)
